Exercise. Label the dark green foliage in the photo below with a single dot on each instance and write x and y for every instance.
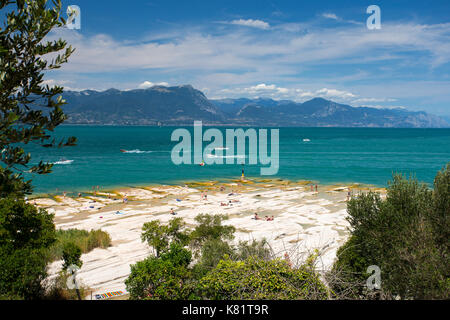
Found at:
(26, 233)
(30, 109)
(255, 278)
(21, 272)
(23, 225)
(161, 236)
(221, 271)
(441, 208)
(211, 253)
(71, 255)
(255, 248)
(406, 235)
(166, 277)
(210, 228)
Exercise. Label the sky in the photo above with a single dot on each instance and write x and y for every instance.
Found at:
(292, 50)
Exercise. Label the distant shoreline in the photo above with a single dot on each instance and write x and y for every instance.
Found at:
(206, 124)
(199, 183)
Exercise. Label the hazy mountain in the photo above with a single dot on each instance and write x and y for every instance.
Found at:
(181, 105)
(169, 105)
(324, 113)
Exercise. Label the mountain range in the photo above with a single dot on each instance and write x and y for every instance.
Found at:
(181, 105)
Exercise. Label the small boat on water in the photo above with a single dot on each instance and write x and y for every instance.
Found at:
(122, 150)
(306, 140)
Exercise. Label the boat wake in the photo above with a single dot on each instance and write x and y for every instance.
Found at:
(135, 151)
(215, 156)
(63, 162)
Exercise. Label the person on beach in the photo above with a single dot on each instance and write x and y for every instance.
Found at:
(312, 188)
(288, 260)
(172, 212)
(316, 187)
(79, 194)
(349, 194)
(125, 199)
(256, 217)
(64, 194)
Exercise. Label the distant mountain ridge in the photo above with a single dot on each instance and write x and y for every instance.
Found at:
(181, 105)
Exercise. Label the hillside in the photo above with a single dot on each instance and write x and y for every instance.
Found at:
(181, 105)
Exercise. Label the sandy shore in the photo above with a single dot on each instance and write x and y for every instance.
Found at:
(304, 220)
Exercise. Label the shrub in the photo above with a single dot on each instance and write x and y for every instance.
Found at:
(406, 235)
(166, 277)
(255, 278)
(71, 255)
(161, 236)
(57, 289)
(26, 233)
(210, 228)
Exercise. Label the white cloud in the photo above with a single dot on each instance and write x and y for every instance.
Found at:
(382, 107)
(363, 100)
(274, 54)
(275, 92)
(243, 59)
(148, 84)
(251, 23)
(330, 16)
(333, 93)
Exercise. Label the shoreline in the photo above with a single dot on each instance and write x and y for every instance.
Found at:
(111, 189)
(304, 220)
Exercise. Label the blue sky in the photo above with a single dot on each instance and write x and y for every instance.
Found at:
(277, 49)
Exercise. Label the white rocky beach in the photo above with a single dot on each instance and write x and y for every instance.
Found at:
(304, 220)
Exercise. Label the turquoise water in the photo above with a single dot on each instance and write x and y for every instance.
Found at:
(333, 155)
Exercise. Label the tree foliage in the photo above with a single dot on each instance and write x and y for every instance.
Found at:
(406, 235)
(166, 277)
(30, 109)
(71, 255)
(209, 227)
(258, 279)
(26, 233)
(243, 271)
(161, 236)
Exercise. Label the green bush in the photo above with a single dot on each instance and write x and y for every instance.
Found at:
(211, 253)
(71, 255)
(161, 236)
(255, 278)
(57, 289)
(26, 233)
(406, 235)
(221, 270)
(166, 277)
(210, 227)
